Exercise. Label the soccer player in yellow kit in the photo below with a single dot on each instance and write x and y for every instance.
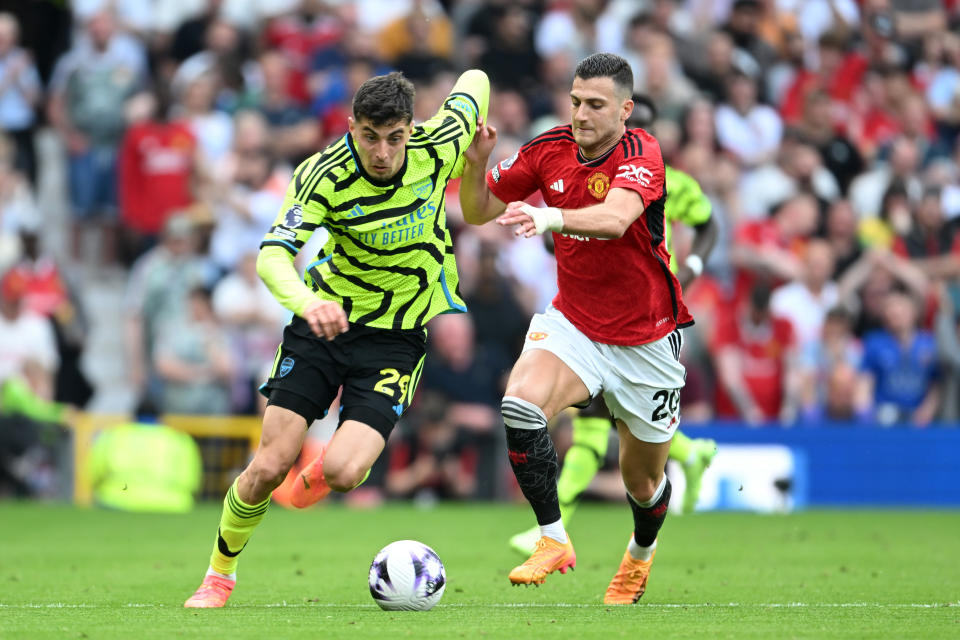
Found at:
(386, 268)
(687, 205)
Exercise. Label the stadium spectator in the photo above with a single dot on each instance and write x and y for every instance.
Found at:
(900, 365)
(510, 58)
(252, 319)
(51, 292)
(931, 243)
(28, 347)
(867, 190)
(662, 78)
(798, 169)
(188, 37)
(710, 70)
(818, 128)
(745, 128)
(571, 31)
(243, 209)
(499, 318)
(805, 302)
(431, 459)
(157, 295)
(19, 95)
(312, 28)
(829, 373)
(193, 360)
(743, 25)
(834, 70)
(294, 133)
(943, 86)
(88, 92)
(156, 173)
(195, 96)
(471, 377)
(226, 55)
(771, 249)
(18, 207)
(420, 42)
(509, 113)
(841, 233)
(755, 354)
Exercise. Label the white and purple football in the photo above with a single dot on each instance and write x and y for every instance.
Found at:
(407, 576)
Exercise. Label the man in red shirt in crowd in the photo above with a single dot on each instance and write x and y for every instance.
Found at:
(613, 326)
(756, 363)
(156, 168)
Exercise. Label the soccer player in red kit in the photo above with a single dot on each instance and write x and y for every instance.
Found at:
(613, 327)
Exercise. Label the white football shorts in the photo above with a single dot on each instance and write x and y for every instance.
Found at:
(640, 384)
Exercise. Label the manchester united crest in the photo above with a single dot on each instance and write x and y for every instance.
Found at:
(598, 184)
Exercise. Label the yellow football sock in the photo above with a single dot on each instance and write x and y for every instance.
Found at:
(237, 523)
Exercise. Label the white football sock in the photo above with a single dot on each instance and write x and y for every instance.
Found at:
(640, 553)
(232, 576)
(554, 530)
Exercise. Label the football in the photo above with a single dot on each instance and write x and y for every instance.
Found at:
(407, 576)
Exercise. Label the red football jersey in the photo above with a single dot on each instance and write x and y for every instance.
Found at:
(617, 291)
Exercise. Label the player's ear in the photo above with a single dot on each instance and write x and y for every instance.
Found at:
(626, 110)
(351, 125)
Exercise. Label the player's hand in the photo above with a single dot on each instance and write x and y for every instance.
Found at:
(484, 140)
(326, 318)
(531, 220)
(515, 215)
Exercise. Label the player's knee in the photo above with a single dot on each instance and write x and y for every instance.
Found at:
(344, 477)
(642, 487)
(269, 471)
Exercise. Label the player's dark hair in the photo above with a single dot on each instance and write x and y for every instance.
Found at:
(607, 65)
(384, 99)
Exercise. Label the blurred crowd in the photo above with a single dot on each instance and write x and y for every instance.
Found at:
(823, 132)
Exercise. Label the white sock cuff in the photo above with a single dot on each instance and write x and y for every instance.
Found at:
(554, 530)
(655, 497)
(232, 576)
(521, 414)
(640, 553)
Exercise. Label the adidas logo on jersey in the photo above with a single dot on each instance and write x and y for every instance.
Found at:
(558, 186)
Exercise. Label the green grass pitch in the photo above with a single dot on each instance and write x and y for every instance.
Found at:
(69, 573)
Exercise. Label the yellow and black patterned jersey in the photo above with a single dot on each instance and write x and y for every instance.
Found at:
(685, 204)
(388, 259)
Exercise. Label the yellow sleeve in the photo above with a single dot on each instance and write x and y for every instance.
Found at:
(685, 200)
(299, 216)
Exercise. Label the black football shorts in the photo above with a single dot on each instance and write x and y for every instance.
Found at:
(378, 369)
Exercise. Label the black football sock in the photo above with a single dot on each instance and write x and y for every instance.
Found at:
(648, 516)
(532, 456)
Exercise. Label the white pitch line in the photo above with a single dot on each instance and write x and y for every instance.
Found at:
(519, 605)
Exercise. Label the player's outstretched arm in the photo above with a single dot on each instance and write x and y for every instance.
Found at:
(703, 242)
(478, 203)
(609, 219)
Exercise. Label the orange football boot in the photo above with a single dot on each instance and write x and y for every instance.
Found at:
(630, 581)
(549, 556)
(213, 593)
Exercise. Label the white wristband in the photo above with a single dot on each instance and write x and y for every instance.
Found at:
(545, 219)
(695, 264)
